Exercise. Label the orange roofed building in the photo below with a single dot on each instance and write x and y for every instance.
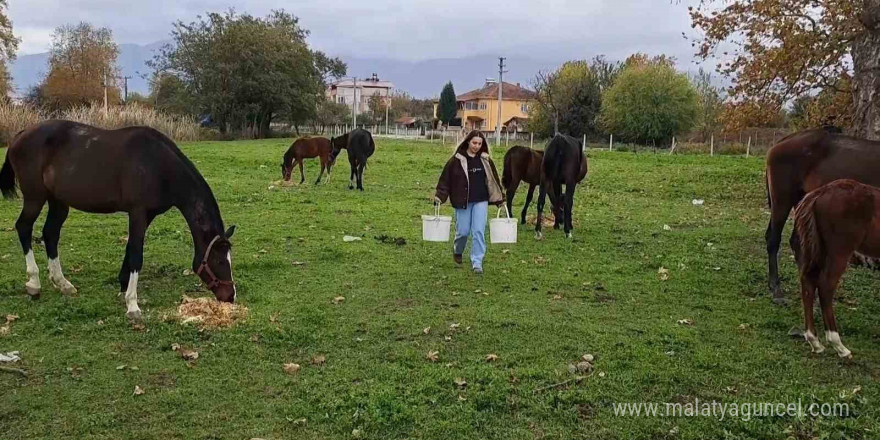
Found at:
(478, 109)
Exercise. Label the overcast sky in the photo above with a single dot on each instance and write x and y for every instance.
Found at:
(406, 30)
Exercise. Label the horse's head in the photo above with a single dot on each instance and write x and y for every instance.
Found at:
(286, 170)
(215, 269)
(336, 146)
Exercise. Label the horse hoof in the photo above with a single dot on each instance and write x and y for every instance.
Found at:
(539, 236)
(135, 317)
(350, 187)
(846, 355)
(819, 350)
(34, 292)
(568, 235)
(68, 290)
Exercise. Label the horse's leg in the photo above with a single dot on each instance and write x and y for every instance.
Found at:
(828, 280)
(511, 193)
(542, 196)
(137, 228)
(528, 202)
(353, 173)
(51, 235)
(25, 228)
(321, 174)
(302, 174)
(557, 204)
(568, 202)
(773, 237)
(808, 295)
(360, 175)
(329, 170)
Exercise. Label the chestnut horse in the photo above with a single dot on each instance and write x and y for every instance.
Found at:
(524, 164)
(832, 223)
(136, 170)
(803, 162)
(307, 148)
(564, 162)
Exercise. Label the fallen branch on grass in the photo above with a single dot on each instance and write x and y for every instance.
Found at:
(14, 370)
(576, 380)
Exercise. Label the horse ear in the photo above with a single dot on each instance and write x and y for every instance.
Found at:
(230, 231)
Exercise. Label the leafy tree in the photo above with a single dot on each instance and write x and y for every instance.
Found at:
(569, 99)
(448, 105)
(82, 59)
(169, 94)
(649, 102)
(331, 113)
(711, 104)
(246, 71)
(137, 98)
(8, 47)
(779, 50)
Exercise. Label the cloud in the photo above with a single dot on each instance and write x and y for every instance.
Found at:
(405, 30)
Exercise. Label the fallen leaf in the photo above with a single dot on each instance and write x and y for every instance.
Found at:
(11, 318)
(432, 356)
(175, 346)
(491, 357)
(664, 273)
(291, 368)
(274, 317)
(426, 330)
(338, 300)
(583, 367)
(121, 367)
(319, 360)
(666, 228)
(454, 326)
(743, 326)
(187, 272)
(601, 374)
(138, 390)
(685, 322)
(505, 251)
(448, 338)
(460, 382)
(587, 358)
(189, 355)
(557, 297)
(298, 263)
(255, 338)
(100, 322)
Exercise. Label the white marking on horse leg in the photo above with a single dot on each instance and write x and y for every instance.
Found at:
(33, 272)
(131, 297)
(833, 338)
(229, 259)
(816, 346)
(57, 277)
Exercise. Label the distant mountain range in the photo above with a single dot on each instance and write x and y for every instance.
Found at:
(421, 79)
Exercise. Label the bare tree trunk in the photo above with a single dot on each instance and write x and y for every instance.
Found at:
(866, 78)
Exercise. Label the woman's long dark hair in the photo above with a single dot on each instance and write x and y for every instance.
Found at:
(467, 140)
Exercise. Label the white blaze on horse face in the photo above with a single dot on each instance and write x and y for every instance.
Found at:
(833, 338)
(57, 277)
(815, 345)
(131, 297)
(229, 259)
(33, 271)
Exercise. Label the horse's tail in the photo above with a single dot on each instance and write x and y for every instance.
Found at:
(7, 179)
(810, 240)
(767, 189)
(506, 176)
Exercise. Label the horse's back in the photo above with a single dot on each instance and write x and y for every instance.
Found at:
(360, 142)
(564, 159)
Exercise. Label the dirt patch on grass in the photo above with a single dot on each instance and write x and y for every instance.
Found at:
(210, 313)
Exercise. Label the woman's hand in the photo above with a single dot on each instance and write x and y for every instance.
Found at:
(437, 201)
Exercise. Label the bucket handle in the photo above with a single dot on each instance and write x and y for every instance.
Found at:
(436, 209)
(505, 210)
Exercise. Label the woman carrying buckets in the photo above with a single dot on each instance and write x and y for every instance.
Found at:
(470, 182)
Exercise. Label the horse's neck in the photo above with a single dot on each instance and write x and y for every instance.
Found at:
(202, 215)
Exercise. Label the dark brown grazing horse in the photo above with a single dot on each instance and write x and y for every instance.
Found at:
(523, 164)
(360, 146)
(307, 148)
(833, 222)
(136, 170)
(802, 162)
(564, 162)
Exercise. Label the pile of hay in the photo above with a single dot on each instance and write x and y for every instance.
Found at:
(208, 312)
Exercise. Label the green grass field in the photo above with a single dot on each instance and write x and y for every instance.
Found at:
(539, 307)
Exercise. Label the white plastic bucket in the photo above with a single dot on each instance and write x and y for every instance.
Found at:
(502, 230)
(436, 227)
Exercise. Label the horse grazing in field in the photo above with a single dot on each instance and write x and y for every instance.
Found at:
(803, 162)
(360, 146)
(307, 148)
(136, 170)
(524, 164)
(832, 223)
(564, 162)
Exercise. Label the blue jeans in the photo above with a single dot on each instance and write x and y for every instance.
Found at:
(472, 222)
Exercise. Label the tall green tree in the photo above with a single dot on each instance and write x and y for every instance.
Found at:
(246, 71)
(448, 105)
(569, 99)
(8, 47)
(711, 104)
(649, 103)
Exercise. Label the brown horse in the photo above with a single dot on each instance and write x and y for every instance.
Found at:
(307, 148)
(803, 162)
(564, 163)
(832, 223)
(136, 170)
(523, 164)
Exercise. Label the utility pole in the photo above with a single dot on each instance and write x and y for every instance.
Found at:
(125, 81)
(387, 105)
(501, 72)
(354, 108)
(104, 84)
